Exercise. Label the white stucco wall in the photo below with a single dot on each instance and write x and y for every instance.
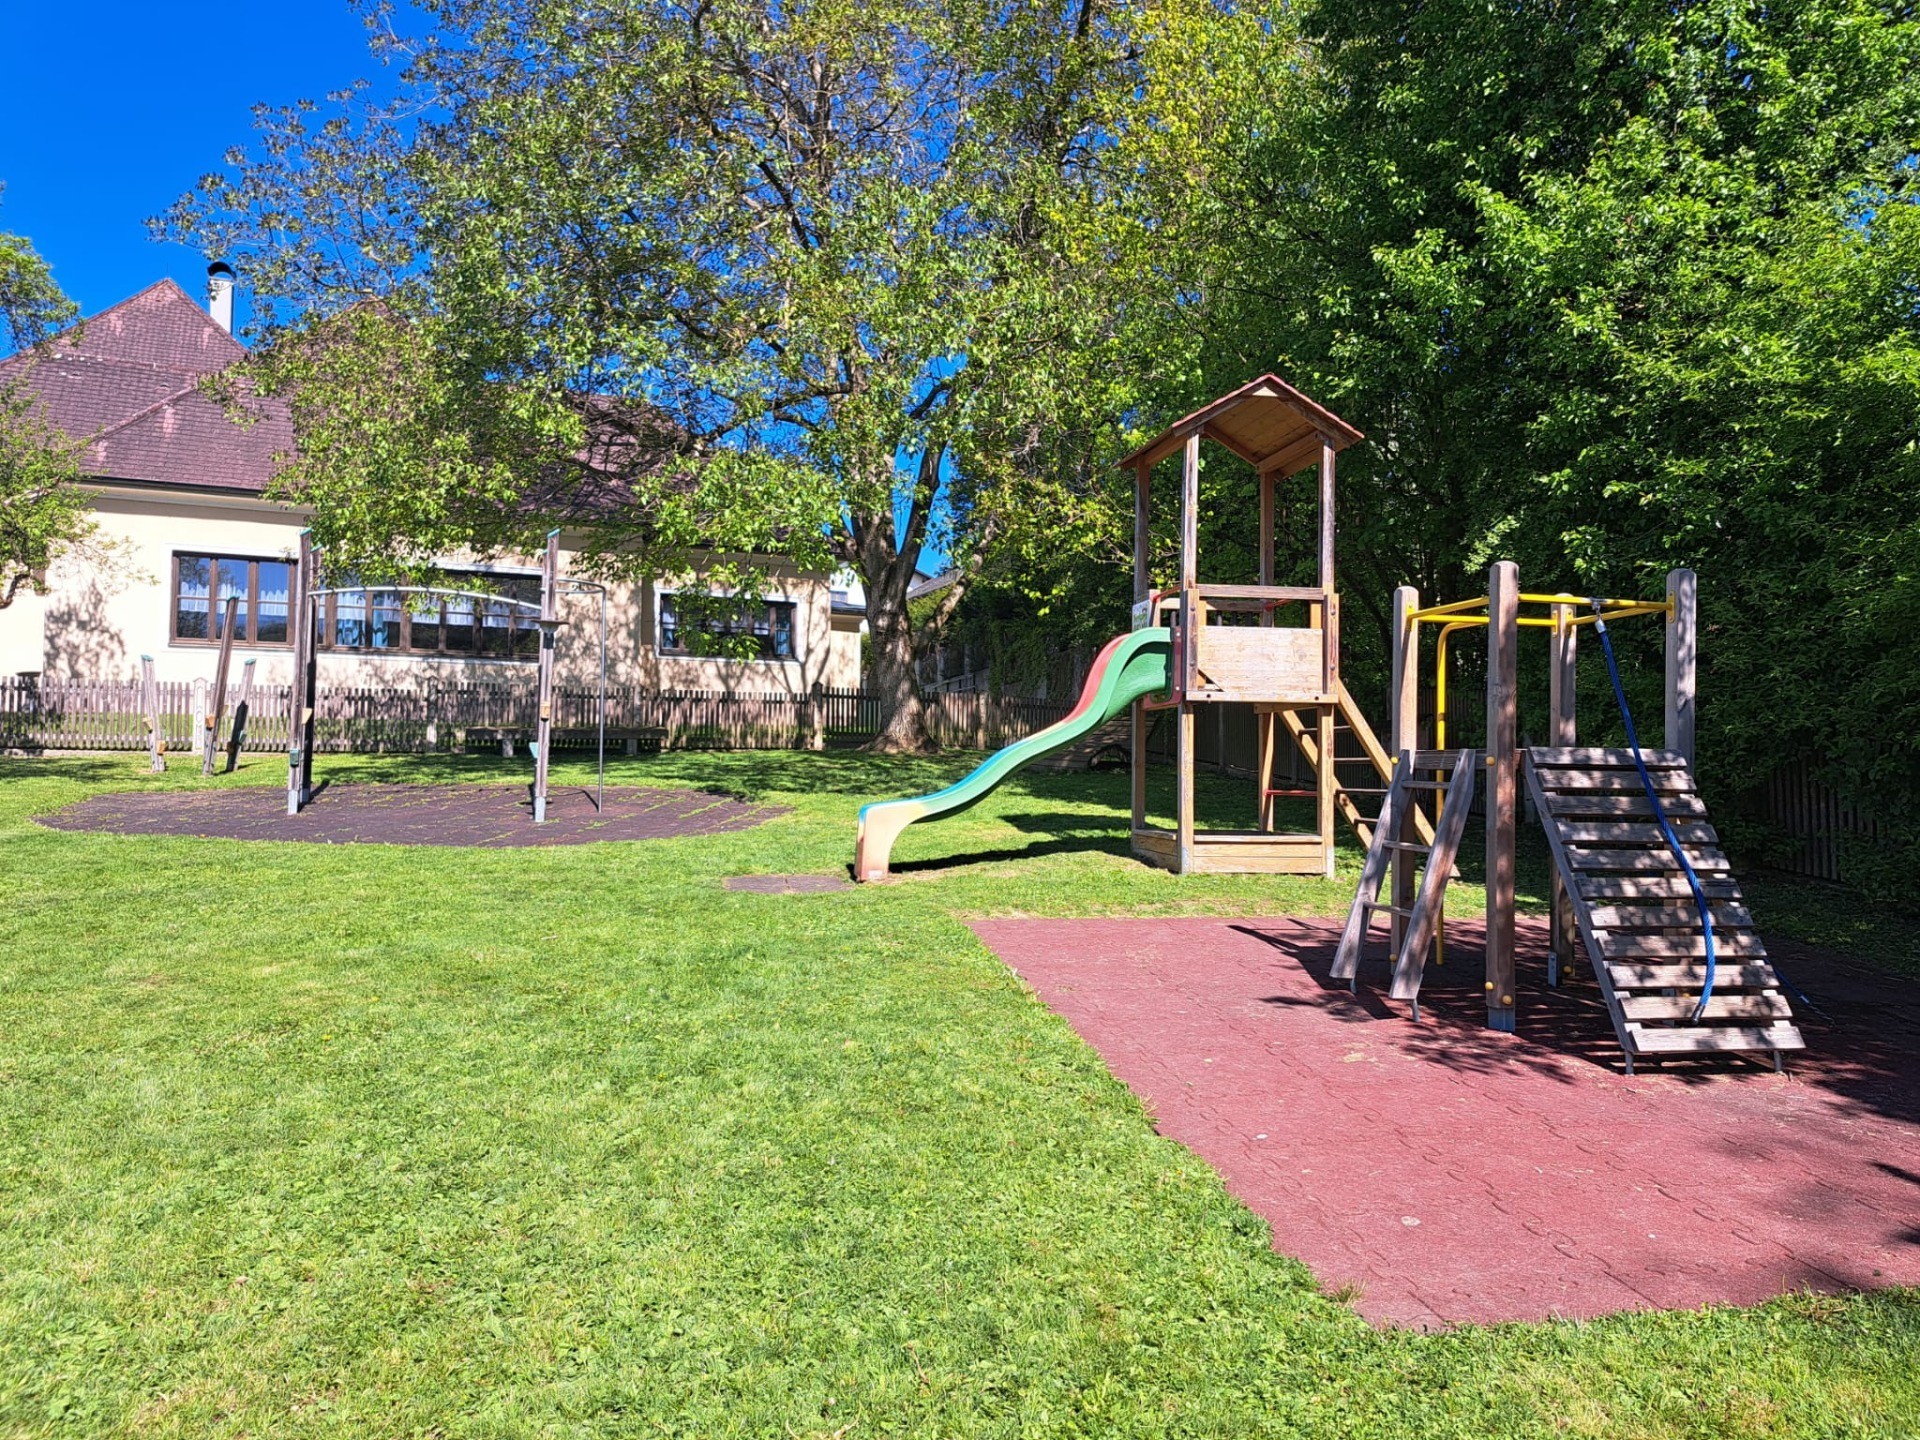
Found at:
(110, 604)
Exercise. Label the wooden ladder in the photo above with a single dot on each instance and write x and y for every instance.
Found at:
(1393, 840)
(1348, 720)
(1636, 914)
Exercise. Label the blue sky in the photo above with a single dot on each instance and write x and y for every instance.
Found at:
(117, 106)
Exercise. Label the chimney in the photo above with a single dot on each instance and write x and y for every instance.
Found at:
(220, 294)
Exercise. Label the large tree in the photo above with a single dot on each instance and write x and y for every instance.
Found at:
(42, 511)
(877, 269)
(1614, 287)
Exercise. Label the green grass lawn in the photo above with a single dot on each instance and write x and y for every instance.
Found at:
(360, 1140)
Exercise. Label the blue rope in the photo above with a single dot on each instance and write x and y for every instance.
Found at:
(1659, 811)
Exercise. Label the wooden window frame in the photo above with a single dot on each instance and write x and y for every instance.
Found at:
(245, 639)
(665, 598)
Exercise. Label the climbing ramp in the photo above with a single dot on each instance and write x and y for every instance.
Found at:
(1636, 914)
(1399, 846)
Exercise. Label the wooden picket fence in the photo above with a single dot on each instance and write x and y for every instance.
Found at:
(44, 714)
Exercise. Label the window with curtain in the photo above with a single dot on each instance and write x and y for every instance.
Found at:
(707, 625)
(259, 590)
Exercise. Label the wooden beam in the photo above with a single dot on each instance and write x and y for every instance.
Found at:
(242, 712)
(1503, 635)
(1403, 700)
(1190, 513)
(210, 741)
(1327, 783)
(1326, 512)
(1560, 732)
(1183, 790)
(543, 719)
(1683, 655)
(150, 702)
(1142, 538)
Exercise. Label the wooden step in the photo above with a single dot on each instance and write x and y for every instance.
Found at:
(1731, 944)
(1727, 974)
(1625, 807)
(1615, 918)
(1621, 833)
(1665, 782)
(1545, 757)
(1768, 1006)
(1655, 861)
(1707, 1038)
(1654, 887)
(1382, 907)
(1408, 846)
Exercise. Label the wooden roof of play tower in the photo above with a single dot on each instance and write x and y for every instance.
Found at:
(1266, 422)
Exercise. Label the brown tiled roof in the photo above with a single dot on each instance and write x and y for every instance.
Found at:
(127, 381)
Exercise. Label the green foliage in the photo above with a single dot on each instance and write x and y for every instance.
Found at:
(42, 512)
(348, 1140)
(878, 269)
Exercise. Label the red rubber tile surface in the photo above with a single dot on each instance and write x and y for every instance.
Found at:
(1451, 1174)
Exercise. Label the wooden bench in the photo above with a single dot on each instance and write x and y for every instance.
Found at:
(634, 738)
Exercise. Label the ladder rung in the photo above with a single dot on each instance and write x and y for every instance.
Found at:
(1291, 794)
(1361, 790)
(1426, 784)
(1409, 846)
(1405, 912)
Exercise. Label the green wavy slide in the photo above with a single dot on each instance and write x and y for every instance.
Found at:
(1130, 668)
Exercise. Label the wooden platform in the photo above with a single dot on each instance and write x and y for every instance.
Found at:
(1636, 914)
(1236, 852)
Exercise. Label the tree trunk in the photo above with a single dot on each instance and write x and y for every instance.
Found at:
(903, 727)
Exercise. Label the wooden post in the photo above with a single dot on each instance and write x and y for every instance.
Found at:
(1326, 513)
(1326, 777)
(543, 721)
(1403, 718)
(210, 741)
(301, 697)
(150, 702)
(1503, 780)
(1192, 619)
(1142, 588)
(1560, 732)
(1403, 737)
(1683, 657)
(242, 709)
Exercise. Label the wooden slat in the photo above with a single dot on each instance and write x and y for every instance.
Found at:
(1642, 975)
(1768, 1006)
(1705, 1039)
(1614, 918)
(1627, 945)
(1665, 782)
(1655, 887)
(1623, 833)
(1604, 756)
(1653, 860)
(1623, 806)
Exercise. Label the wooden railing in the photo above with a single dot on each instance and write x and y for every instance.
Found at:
(38, 715)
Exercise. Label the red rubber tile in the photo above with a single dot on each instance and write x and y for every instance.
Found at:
(1450, 1174)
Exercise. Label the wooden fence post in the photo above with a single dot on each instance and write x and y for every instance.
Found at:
(1503, 783)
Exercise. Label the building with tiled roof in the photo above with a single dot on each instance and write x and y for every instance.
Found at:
(186, 521)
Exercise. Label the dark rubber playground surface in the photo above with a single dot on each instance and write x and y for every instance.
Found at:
(492, 816)
(1450, 1174)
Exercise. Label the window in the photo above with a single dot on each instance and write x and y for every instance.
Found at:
(713, 625)
(202, 586)
(388, 622)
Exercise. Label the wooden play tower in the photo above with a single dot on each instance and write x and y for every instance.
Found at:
(1273, 647)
